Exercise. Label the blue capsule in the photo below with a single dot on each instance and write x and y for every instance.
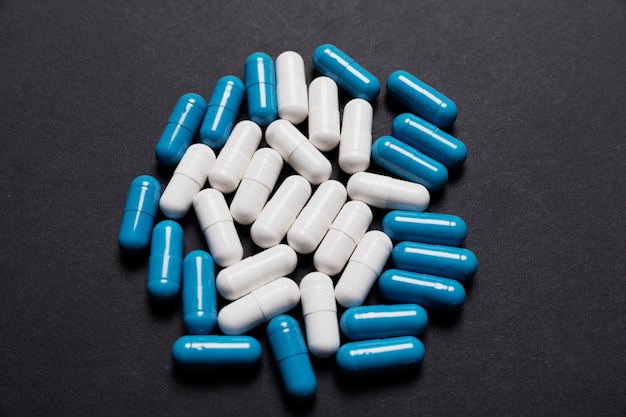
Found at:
(346, 72)
(180, 129)
(140, 210)
(165, 267)
(421, 99)
(222, 111)
(382, 321)
(425, 227)
(369, 357)
(429, 139)
(260, 80)
(291, 355)
(199, 295)
(445, 261)
(212, 351)
(429, 291)
(408, 163)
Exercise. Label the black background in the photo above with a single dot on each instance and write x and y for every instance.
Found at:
(86, 88)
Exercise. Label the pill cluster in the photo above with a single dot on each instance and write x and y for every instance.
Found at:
(308, 213)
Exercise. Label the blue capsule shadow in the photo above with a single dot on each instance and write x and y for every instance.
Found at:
(212, 376)
(365, 384)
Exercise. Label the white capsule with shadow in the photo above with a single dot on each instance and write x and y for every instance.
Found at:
(387, 192)
(324, 129)
(291, 89)
(320, 314)
(355, 146)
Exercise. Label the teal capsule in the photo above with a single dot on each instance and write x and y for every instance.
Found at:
(140, 210)
(180, 129)
(199, 294)
(212, 351)
(408, 163)
(260, 81)
(346, 72)
(368, 357)
(222, 111)
(425, 227)
(429, 139)
(165, 267)
(429, 291)
(444, 261)
(291, 354)
(382, 321)
(421, 99)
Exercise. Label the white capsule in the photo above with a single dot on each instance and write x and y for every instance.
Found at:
(234, 158)
(217, 226)
(344, 234)
(257, 184)
(261, 305)
(388, 193)
(188, 179)
(279, 213)
(315, 219)
(356, 136)
(298, 151)
(320, 314)
(324, 131)
(291, 91)
(363, 269)
(255, 271)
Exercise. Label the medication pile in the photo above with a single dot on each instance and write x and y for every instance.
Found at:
(307, 213)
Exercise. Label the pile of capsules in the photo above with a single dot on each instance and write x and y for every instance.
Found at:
(429, 260)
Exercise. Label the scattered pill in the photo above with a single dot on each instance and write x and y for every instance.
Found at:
(356, 136)
(421, 99)
(222, 111)
(180, 129)
(188, 179)
(291, 88)
(425, 227)
(260, 81)
(386, 192)
(212, 351)
(429, 291)
(140, 210)
(382, 321)
(324, 125)
(445, 261)
(320, 314)
(346, 72)
(261, 305)
(290, 353)
(376, 356)
(199, 295)
(165, 266)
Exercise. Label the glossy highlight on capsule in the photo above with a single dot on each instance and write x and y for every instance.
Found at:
(425, 227)
(222, 111)
(445, 261)
(165, 267)
(382, 321)
(199, 295)
(376, 356)
(212, 351)
(140, 210)
(260, 81)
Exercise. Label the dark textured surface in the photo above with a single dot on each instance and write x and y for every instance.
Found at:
(86, 87)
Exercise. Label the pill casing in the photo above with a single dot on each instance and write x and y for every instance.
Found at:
(346, 72)
(256, 185)
(255, 271)
(356, 136)
(222, 111)
(298, 151)
(188, 179)
(425, 227)
(429, 291)
(291, 89)
(408, 163)
(235, 156)
(386, 192)
(274, 221)
(363, 268)
(368, 357)
(292, 357)
(344, 234)
(180, 129)
(260, 81)
(320, 314)
(218, 227)
(445, 261)
(261, 305)
(324, 125)
(140, 210)
(165, 266)
(199, 295)
(315, 219)
(429, 139)
(382, 321)
(211, 351)
(421, 99)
